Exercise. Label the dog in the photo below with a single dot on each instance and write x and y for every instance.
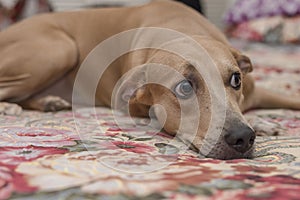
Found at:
(45, 51)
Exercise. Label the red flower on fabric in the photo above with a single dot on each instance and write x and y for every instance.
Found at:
(253, 168)
(242, 177)
(193, 160)
(44, 137)
(281, 179)
(244, 31)
(274, 192)
(11, 181)
(135, 147)
(17, 155)
(291, 123)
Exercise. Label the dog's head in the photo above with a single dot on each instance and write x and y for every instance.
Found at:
(187, 92)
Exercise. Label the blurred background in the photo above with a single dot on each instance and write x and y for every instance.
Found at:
(271, 21)
(213, 9)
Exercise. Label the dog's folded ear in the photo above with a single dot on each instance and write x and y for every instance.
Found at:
(140, 102)
(132, 90)
(243, 61)
(142, 96)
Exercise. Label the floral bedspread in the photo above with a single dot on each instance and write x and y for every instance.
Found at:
(65, 155)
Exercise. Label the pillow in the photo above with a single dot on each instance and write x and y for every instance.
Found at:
(245, 10)
(276, 29)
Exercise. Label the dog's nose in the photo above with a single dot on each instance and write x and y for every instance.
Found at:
(240, 139)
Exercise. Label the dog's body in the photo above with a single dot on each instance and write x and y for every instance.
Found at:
(43, 50)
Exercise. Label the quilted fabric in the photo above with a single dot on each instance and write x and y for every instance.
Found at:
(270, 21)
(66, 155)
(245, 10)
(276, 29)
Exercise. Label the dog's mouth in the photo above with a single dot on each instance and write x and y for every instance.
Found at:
(235, 142)
(222, 151)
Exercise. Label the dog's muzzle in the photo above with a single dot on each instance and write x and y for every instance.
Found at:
(236, 142)
(241, 138)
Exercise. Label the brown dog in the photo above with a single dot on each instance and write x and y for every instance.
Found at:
(47, 50)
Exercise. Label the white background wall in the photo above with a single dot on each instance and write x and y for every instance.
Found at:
(75, 4)
(214, 9)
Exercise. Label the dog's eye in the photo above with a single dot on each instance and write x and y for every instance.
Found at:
(184, 89)
(236, 81)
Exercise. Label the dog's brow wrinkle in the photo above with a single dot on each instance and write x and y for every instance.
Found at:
(188, 67)
(191, 74)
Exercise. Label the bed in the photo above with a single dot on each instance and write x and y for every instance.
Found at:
(66, 155)
(44, 157)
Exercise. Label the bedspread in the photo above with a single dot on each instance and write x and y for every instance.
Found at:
(65, 155)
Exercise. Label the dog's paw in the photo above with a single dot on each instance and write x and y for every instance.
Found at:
(53, 103)
(263, 127)
(10, 109)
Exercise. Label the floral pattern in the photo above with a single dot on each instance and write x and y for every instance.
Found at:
(11, 181)
(270, 21)
(277, 29)
(244, 10)
(85, 155)
(23, 137)
(16, 155)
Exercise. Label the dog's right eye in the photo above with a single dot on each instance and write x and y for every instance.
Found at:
(184, 89)
(236, 81)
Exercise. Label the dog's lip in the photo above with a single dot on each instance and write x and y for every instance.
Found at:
(221, 150)
(230, 154)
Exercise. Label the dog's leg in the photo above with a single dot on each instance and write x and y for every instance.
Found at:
(10, 109)
(47, 104)
(32, 64)
(257, 97)
(264, 127)
(263, 98)
(5, 84)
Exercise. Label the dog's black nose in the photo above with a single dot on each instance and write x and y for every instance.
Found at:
(240, 138)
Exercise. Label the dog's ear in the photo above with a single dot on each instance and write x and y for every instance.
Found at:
(132, 90)
(140, 102)
(142, 96)
(243, 61)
